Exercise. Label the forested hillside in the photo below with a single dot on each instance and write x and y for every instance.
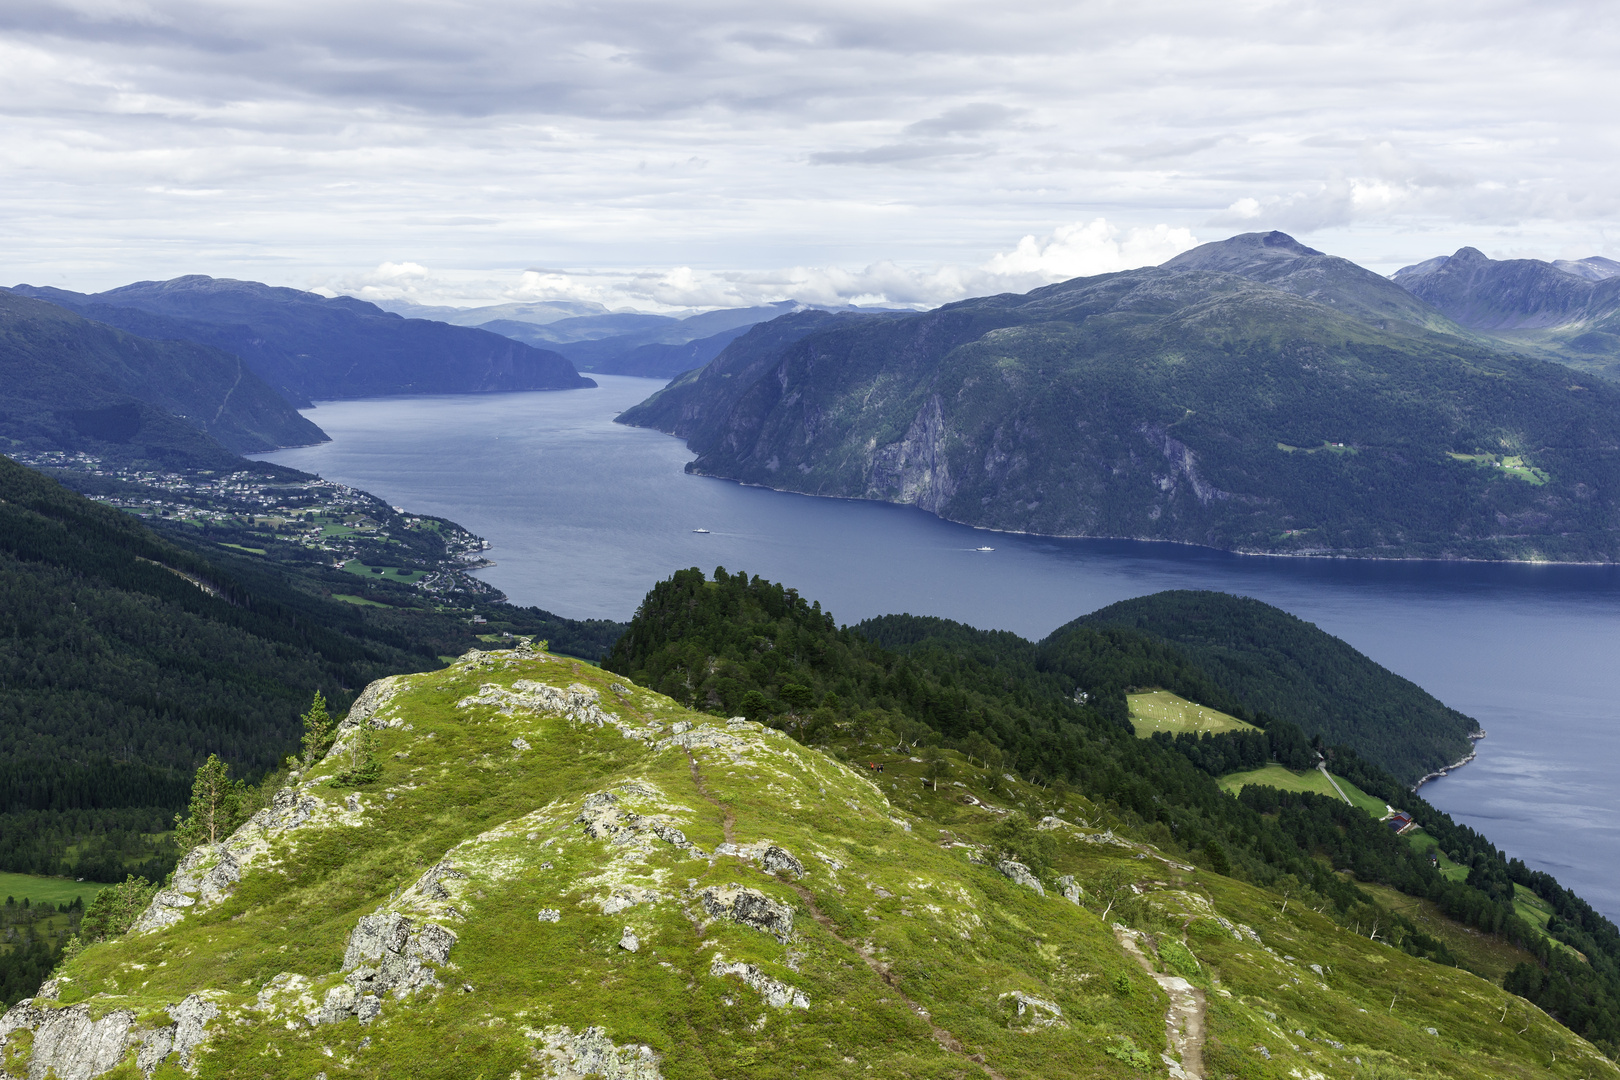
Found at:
(126, 658)
(1288, 405)
(309, 346)
(1268, 661)
(69, 383)
(741, 645)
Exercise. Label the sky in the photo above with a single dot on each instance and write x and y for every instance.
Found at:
(710, 153)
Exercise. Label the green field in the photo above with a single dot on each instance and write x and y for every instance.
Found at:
(52, 890)
(239, 547)
(362, 601)
(1160, 710)
(1510, 465)
(386, 573)
(1286, 780)
(1423, 843)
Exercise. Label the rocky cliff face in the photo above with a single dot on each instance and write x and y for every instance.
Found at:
(563, 876)
(1253, 395)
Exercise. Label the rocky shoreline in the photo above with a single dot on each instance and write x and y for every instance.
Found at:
(1473, 737)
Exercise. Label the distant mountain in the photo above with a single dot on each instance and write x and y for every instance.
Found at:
(68, 383)
(309, 347)
(1175, 403)
(538, 312)
(1278, 260)
(1566, 310)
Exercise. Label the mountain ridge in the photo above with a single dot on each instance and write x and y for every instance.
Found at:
(310, 346)
(1172, 403)
(67, 382)
(636, 891)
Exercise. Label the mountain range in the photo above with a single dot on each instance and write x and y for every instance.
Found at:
(1252, 394)
(1568, 310)
(312, 347)
(618, 342)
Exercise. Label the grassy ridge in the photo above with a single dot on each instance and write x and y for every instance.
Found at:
(907, 946)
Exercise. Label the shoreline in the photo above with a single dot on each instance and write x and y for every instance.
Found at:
(1317, 554)
(1473, 753)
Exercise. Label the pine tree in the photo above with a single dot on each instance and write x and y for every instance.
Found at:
(318, 730)
(362, 759)
(215, 809)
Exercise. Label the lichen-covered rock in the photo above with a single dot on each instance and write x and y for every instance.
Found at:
(566, 1055)
(777, 994)
(1019, 874)
(71, 1045)
(628, 940)
(1071, 890)
(750, 907)
(776, 860)
(1033, 1011)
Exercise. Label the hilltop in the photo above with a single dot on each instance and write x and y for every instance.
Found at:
(560, 874)
(1284, 402)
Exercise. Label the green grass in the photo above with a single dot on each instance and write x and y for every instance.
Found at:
(239, 547)
(362, 601)
(1282, 779)
(1423, 843)
(1160, 710)
(1507, 465)
(334, 528)
(1483, 954)
(49, 890)
(389, 573)
(895, 900)
(1327, 447)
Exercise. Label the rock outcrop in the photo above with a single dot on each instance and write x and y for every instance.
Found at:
(749, 907)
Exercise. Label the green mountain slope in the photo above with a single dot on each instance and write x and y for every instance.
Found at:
(1273, 662)
(1567, 311)
(1055, 713)
(126, 658)
(1168, 403)
(69, 383)
(308, 346)
(561, 875)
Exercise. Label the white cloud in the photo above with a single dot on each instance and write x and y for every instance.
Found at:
(1080, 249)
(1096, 247)
(294, 141)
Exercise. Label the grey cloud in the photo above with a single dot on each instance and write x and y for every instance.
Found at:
(318, 138)
(976, 116)
(894, 153)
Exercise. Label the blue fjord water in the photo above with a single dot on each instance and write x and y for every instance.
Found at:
(585, 515)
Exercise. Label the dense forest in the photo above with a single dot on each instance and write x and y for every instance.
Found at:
(127, 657)
(741, 645)
(1270, 662)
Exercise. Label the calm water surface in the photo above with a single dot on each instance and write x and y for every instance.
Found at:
(585, 515)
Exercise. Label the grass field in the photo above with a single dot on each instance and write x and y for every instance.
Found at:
(1286, 780)
(1480, 953)
(389, 573)
(1160, 710)
(362, 601)
(52, 890)
(249, 550)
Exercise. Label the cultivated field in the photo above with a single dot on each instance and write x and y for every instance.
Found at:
(1160, 710)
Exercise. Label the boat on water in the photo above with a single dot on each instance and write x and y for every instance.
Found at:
(984, 549)
(705, 532)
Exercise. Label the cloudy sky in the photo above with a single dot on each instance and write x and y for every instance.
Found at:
(706, 152)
